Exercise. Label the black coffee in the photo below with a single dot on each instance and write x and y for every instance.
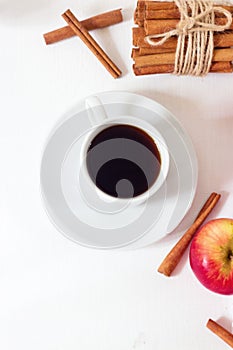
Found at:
(123, 161)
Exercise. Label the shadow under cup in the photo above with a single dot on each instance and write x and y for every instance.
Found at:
(123, 161)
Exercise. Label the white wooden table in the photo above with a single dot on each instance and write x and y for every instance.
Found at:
(55, 295)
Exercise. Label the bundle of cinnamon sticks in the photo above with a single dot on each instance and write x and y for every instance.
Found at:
(155, 17)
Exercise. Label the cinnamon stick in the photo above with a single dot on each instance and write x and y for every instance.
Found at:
(162, 14)
(160, 26)
(152, 50)
(139, 22)
(139, 14)
(216, 67)
(140, 51)
(221, 67)
(175, 14)
(168, 5)
(221, 332)
(220, 40)
(145, 12)
(84, 35)
(174, 256)
(154, 69)
(139, 35)
(223, 55)
(164, 10)
(159, 5)
(135, 53)
(100, 21)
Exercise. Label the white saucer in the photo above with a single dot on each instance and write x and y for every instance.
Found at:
(73, 210)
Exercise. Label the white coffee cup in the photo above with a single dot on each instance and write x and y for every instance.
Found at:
(100, 121)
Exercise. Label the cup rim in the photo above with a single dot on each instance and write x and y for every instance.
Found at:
(159, 141)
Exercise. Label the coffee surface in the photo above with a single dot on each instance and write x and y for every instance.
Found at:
(123, 161)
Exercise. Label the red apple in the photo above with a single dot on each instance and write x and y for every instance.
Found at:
(211, 255)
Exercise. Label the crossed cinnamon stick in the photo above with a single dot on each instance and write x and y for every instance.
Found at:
(88, 40)
(100, 21)
(80, 28)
